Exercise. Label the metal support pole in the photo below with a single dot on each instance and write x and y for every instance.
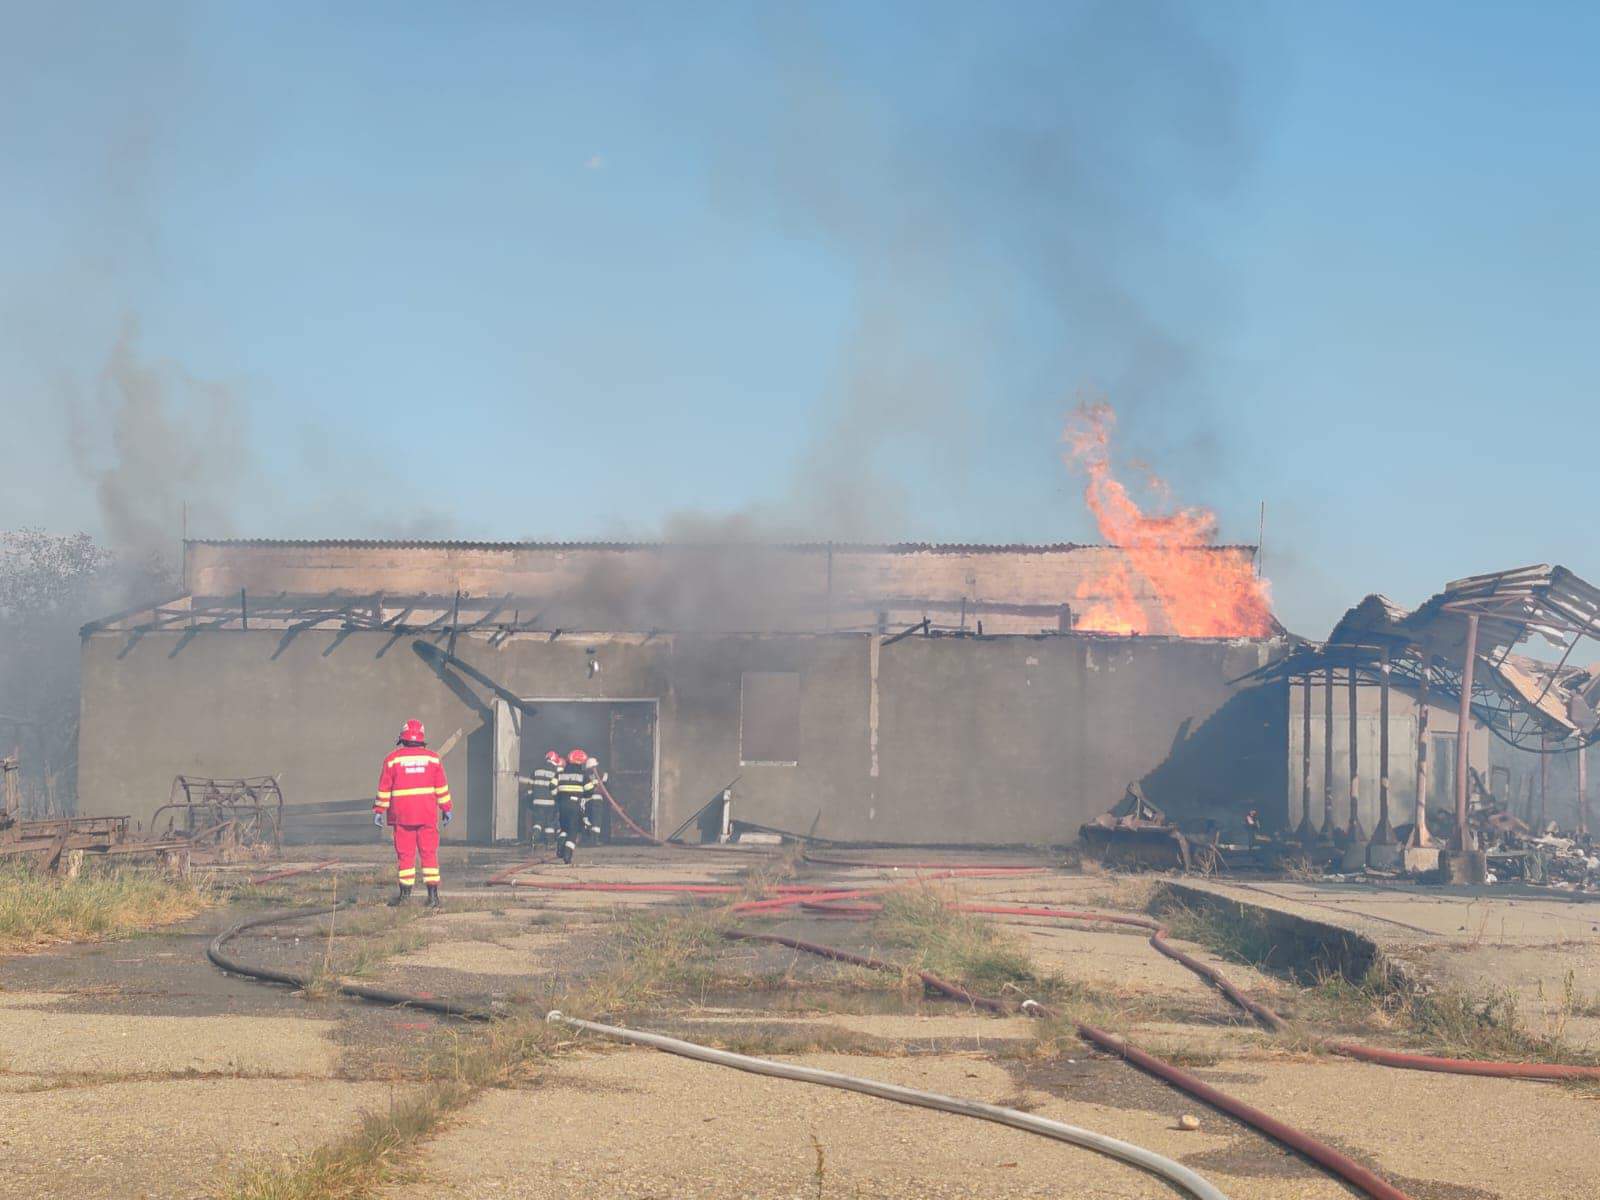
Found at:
(1307, 831)
(1383, 835)
(1419, 827)
(1544, 782)
(1353, 831)
(1463, 839)
(1583, 792)
(1328, 827)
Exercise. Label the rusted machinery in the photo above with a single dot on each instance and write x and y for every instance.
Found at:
(223, 818)
(212, 820)
(1136, 834)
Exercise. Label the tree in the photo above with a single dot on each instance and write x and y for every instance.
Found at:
(50, 586)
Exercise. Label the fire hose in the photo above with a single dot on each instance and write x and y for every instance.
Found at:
(1275, 1022)
(1158, 1165)
(1341, 1166)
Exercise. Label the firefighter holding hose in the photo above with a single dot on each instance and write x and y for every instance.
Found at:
(414, 799)
(574, 788)
(542, 798)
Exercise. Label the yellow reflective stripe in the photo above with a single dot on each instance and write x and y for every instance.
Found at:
(384, 795)
(431, 874)
(381, 804)
(444, 797)
(427, 791)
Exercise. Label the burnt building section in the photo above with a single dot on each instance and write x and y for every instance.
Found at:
(845, 692)
(1422, 738)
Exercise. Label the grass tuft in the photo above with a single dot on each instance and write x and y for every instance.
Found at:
(958, 946)
(37, 907)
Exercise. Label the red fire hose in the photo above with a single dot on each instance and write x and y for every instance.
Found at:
(1275, 1022)
(1339, 1165)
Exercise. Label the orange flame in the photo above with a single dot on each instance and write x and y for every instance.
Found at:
(1173, 579)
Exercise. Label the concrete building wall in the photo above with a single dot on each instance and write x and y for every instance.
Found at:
(647, 587)
(923, 740)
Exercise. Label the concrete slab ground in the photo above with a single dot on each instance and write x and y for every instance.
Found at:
(159, 1140)
(36, 1039)
(1541, 948)
(640, 1124)
(137, 1069)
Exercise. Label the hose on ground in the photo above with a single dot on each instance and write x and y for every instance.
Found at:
(357, 991)
(1165, 1168)
(1274, 1021)
(1341, 1166)
(1174, 1173)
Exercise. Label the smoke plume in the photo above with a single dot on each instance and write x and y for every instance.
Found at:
(151, 439)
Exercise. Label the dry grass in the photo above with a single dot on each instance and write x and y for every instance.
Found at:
(957, 946)
(649, 955)
(37, 908)
(1451, 1021)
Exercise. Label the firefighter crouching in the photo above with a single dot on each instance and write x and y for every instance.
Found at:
(574, 786)
(546, 826)
(412, 795)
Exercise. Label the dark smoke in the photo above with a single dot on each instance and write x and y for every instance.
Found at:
(152, 439)
(1025, 224)
(1004, 252)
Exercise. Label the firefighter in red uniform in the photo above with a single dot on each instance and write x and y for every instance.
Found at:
(412, 795)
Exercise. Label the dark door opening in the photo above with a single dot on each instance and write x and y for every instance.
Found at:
(620, 733)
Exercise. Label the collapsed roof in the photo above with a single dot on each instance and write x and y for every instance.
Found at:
(1523, 699)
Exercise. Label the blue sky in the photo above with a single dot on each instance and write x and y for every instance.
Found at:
(834, 270)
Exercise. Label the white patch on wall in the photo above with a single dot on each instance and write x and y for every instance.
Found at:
(1031, 661)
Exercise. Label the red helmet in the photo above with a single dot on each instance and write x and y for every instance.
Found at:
(554, 759)
(412, 731)
(577, 757)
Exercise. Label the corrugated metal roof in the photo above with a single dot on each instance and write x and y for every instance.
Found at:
(812, 547)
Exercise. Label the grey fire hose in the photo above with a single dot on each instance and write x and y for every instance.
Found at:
(1178, 1175)
(1174, 1173)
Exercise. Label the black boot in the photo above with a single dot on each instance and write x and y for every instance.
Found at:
(433, 895)
(402, 896)
(567, 848)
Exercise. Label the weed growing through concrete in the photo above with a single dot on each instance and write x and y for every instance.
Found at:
(1454, 1022)
(37, 907)
(953, 945)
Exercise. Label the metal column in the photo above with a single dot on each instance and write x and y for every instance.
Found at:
(1419, 832)
(1383, 835)
(1462, 841)
(1307, 832)
(1583, 791)
(1544, 780)
(1354, 832)
(1328, 827)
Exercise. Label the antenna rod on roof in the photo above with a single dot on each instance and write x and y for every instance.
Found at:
(1261, 541)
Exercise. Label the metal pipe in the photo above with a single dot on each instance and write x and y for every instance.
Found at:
(1463, 838)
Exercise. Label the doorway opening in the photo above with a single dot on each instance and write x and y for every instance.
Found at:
(620, 733)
